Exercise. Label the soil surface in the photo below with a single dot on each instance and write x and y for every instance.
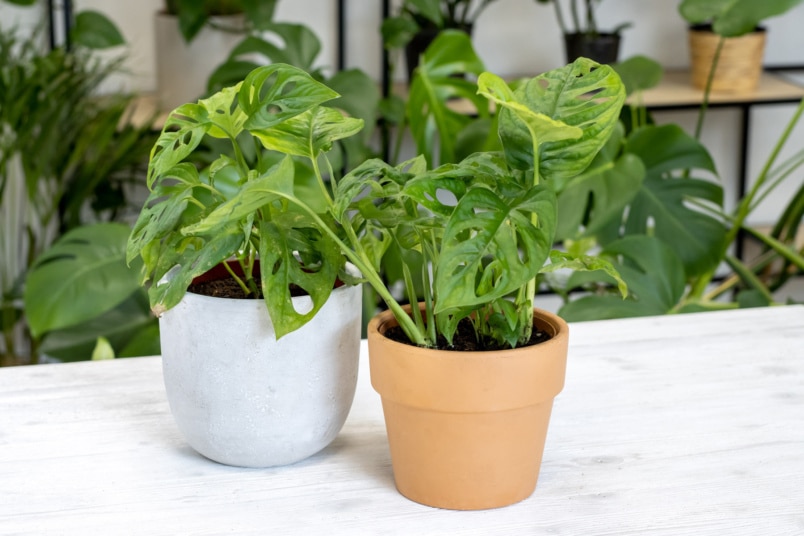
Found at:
(465, 341)
(228, 288)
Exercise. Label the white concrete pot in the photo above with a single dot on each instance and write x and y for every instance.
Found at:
(240, 397)
(182, 69)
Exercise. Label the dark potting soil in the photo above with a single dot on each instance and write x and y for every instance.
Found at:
(465, 340)
(228, 288)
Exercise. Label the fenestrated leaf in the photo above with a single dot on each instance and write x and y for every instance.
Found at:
(83, 275)
(489, 236)
(560, 260)
(695, 236)
(252, 195)
(168, 292)
(661, 204)
(652, 272)
(280, 268)
(583, 94)
(542, 127)
(275, 93)
(157, 219)
(309, 133)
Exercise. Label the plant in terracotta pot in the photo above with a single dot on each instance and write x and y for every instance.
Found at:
(268, 380)
(727, 43)
(583, 38)
(420, 21)
(466, 390)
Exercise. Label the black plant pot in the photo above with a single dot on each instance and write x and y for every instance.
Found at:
(601, 47)
(416, 47)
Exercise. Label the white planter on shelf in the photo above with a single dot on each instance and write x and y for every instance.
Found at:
(182, 69)
(241, 397)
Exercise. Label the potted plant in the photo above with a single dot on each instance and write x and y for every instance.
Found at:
(583, 38)
(251, 382)
(727, 43)
(420, 21)
(482, 229)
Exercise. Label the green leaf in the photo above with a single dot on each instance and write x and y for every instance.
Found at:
(163, 210)
(309, 133)
(506, 247)
(360, 97)
(94, 30)
(103, 350)
(398, 31)
(429, 9)
(583, 95)
(639, 73)
(278, 92)
(732, 18)
(259, 13)
(591, 200)
(661, 206)
(667, 148)
(168, 292)
(652, 272)
(438, 79)
(80, 277)
(585, 263)
(253, 195)
(130, 328)
(280, 268)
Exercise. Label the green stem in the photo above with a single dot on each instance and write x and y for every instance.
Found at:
(708, 90)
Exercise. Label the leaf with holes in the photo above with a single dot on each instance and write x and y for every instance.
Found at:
(309, 133)
(583, 95)
(492, 238)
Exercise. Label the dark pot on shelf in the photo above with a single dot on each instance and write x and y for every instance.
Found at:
(416, 47)
(601, 47)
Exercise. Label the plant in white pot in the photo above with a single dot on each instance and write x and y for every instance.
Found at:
(251, 382)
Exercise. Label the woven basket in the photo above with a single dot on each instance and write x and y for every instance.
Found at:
(739, 67)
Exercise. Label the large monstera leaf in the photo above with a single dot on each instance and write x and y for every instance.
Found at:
(584, 95)
(651, 270)
(662, 205)
(589, 201)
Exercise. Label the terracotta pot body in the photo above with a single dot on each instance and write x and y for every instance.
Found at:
(739, 67)
(603, 47)
(466, 430)
(241, 397)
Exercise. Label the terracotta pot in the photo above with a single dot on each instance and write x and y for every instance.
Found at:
(467, 429)
(739, 67)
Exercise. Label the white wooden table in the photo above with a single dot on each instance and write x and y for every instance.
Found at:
(677, 425)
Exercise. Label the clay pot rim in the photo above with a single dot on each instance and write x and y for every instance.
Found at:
(560, 331)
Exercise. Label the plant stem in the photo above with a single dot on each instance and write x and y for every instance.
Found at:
(708, 90)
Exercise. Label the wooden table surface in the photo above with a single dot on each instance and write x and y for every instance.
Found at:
(676, 425)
